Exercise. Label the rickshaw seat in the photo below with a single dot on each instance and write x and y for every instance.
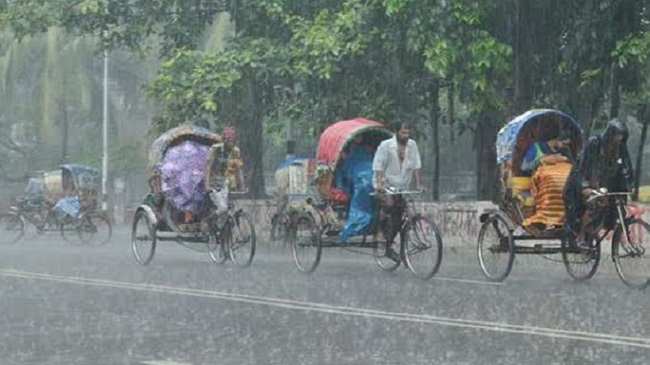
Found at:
(521, 187)
(338, 197)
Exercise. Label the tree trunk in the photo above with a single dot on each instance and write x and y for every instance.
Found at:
(484, 144)
(643, 115)
(615, 91)
(65, 132)
(434, 117)
(253, 141)
(523, 97)
(451, 111)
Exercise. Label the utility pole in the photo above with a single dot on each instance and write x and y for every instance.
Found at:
(105, 126)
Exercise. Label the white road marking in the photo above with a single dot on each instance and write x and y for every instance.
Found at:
(167, 362)
(603, 338)
(467, 281)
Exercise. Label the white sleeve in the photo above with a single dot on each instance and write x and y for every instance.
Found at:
(379, 161)
(417, 164)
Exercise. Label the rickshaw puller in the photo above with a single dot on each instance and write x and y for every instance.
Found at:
(604, 163)
(396, 162)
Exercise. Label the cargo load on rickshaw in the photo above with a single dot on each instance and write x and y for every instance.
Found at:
(192, 173)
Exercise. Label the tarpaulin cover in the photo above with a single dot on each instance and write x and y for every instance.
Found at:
(282, 176)
(289, 160)
(182, 173)
(355, 178)
(187, 132)
(509, 136)
(334, 138)
(53, 185)
(67, 206)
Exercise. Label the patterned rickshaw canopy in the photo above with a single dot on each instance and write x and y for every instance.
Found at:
(512, 137)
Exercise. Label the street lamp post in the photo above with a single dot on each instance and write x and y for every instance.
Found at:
(105, 134)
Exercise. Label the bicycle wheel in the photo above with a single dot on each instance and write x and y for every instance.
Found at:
(143, 238)
(69, 232)
(95, 229)
(243, 240)
(632, 264)
(581, 263)
(422, 247)
(12, 228)
(496, 248)
(216, 246)
(306, 244)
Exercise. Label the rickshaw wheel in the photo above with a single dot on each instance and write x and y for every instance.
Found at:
(632, 264)
(13, 228)
(496, 248)
(379, 252)
(95, 228)
(306, 244)
(143, 238)
(581, 265)
(216, 246)
(70, 233)
(422, 247)
(242, 240)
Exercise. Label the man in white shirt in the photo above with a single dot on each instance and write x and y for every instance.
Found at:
(396, 162)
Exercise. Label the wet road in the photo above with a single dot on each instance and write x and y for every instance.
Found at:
(82, 305)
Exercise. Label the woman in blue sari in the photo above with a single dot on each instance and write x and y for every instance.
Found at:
(354, 176)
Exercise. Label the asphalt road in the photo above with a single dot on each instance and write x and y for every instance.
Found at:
(84, 305)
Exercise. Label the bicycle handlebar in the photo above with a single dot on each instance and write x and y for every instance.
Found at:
(597, 195)
(404, 192)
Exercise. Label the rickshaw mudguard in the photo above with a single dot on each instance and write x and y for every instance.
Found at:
(305, 211)
(492, 212)
(149, 212)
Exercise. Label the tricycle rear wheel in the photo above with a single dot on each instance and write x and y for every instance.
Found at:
(496, 248)
(143, 238)
(306, 244)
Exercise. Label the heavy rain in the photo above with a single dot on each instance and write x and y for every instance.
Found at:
(324, 182)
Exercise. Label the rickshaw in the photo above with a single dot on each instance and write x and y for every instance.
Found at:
(317, 209)
(81, 220)
(34, 207)
(72, 186)
(503, 235)
(193, 223)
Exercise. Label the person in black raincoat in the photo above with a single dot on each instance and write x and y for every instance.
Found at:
(603, 163)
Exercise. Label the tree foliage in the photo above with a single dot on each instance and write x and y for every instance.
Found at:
(315, 62)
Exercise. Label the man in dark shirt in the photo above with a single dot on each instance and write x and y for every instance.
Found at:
(603, 163)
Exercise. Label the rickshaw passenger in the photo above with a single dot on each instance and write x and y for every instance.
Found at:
(396, 162)
(223, 172)
(550, 162)
(35, 189)
(354, 177)
(552, 151)
(234, 164)
(603, 163)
